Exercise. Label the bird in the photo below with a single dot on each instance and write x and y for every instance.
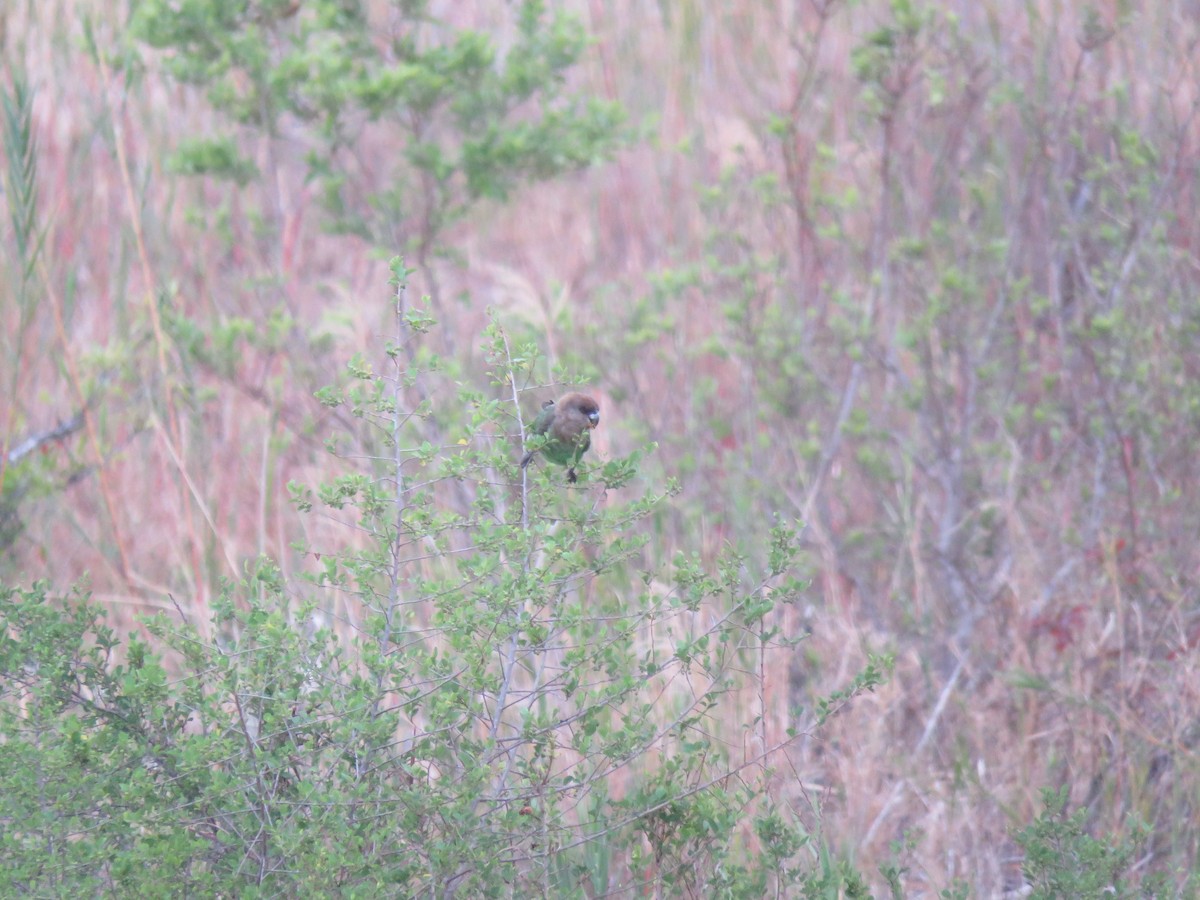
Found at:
(567, 426)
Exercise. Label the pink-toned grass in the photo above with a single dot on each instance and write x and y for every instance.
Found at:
(1091, 599)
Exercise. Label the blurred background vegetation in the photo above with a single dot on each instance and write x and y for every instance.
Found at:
(922, 277)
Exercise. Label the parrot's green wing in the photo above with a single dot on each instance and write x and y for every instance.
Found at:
(540, 425)
(542, 422)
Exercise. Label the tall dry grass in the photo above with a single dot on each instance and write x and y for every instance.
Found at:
(948, 321)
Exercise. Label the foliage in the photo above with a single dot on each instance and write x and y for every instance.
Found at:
(465, 115)
(922, 279)
(503, 695)
(1063, 860)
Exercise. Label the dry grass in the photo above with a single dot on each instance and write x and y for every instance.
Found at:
(1062, 652)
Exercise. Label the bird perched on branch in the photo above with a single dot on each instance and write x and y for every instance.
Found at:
(567, 426)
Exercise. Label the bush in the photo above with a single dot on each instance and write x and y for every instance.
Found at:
(490, 690)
